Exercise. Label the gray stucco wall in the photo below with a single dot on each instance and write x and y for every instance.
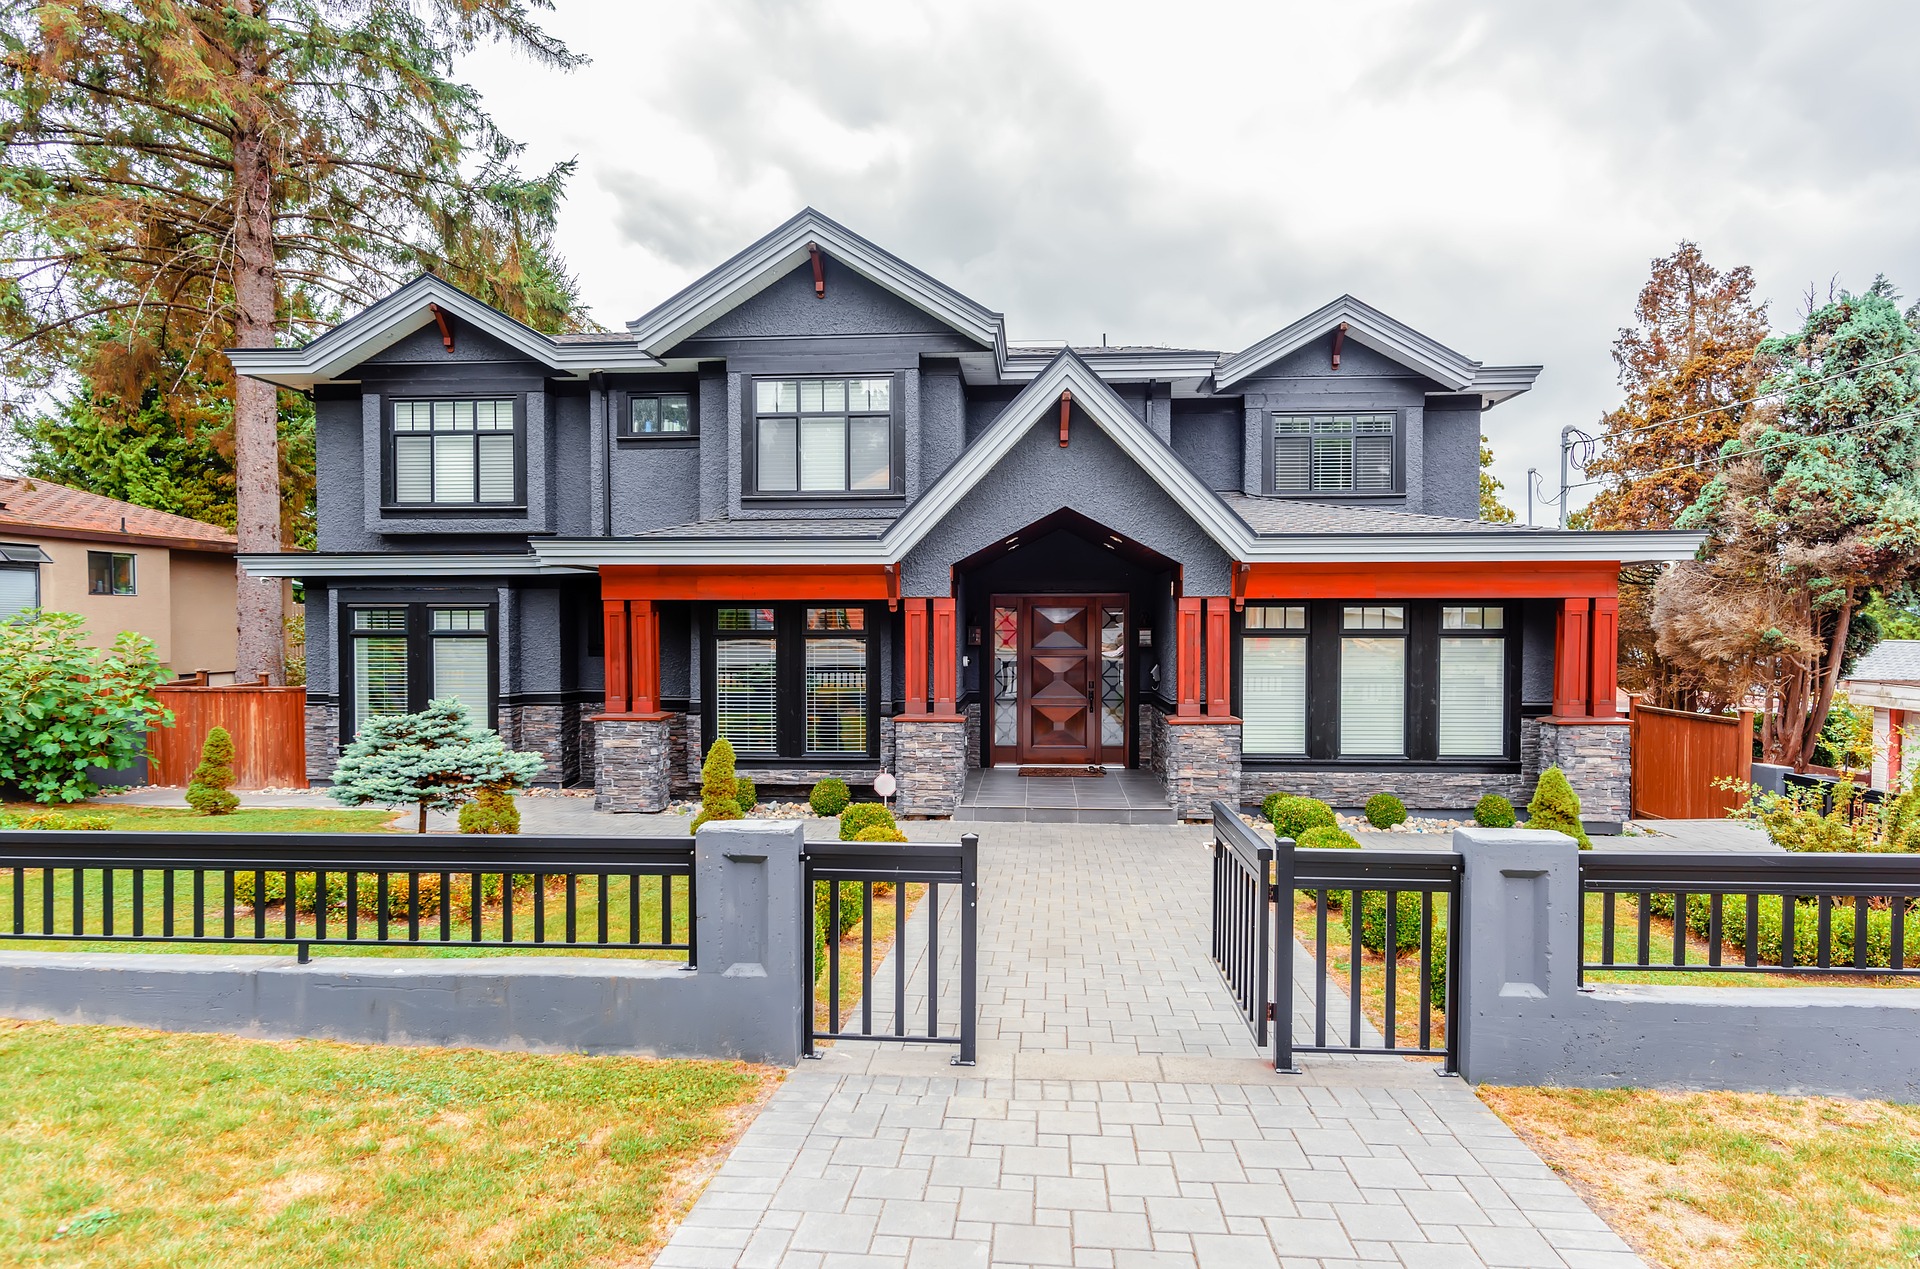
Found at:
(423, 348)
(1451, 453)
(1536, 651)
(1207, 434)
(851, 306)
(942, 420)
(340, 518)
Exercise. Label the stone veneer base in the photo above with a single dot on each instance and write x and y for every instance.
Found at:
(930, 763)
(323, 741)
(1199, 760)
(1597, 756)
(631, 753)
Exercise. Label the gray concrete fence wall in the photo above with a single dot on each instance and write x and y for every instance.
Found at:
(1526, 1020)
(743, 1001)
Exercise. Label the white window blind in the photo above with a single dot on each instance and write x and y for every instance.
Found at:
(456, 453)
(778, 468)
(836, 696)
(19, 590)
(1273, 695)
(823, 453)
(460, 671)
(1472, 720)
(743, 696)
(379, 676)
(1373, 697)
(1335, 453)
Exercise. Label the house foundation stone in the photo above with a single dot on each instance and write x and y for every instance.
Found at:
(539, 729)
(630, 763)
(323, 740)
(1597, 757)
(930, 764)
(1202, 762)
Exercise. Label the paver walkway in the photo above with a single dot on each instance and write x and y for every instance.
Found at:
(1120, 1115)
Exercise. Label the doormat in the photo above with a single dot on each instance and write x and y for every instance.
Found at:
(1074, 773)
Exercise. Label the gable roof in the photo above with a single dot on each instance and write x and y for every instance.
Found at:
(778, 253)
(386, 321)
(1367, 325)
(1889, 661)
(33, 507)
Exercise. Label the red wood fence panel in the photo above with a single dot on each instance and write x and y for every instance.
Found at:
(268, 726)
(1678, 759)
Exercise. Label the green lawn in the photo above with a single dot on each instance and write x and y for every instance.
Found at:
(123, 1147)
(260, 819)
(1626, 947)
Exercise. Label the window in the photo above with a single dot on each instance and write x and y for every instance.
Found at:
(109, 573)
(1373, 682)
(1473, 683)
(794, 682)
(1273, 680)
(662, 414)
(401, 656)
(1333, 453)
(823, 436)
(20, 577)
(458, 453)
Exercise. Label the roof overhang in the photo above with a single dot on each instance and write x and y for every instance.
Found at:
(387, 321)
(324, 564)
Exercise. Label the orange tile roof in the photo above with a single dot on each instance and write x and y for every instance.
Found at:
(30, 505)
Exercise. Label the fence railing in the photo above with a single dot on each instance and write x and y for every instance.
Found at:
(875, 875)
(1396, 904)
(1808, 914)
(367, 890)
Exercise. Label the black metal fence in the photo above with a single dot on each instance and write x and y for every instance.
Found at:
(1396, 906)
(362, 890)
(1806, 914)
(840, 878)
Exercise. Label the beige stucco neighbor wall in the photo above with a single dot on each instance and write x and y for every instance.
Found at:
(203, 613)
(182, 600)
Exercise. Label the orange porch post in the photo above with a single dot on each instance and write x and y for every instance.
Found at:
(1572, 674)
(615, 615)
(1187, 659)
(1219, 656)
(946, 667)
(914, 617)
(644, 653)
(1604, 643)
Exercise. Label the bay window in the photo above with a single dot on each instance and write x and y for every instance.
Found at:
(795, 681)
(824, 436)
(461, 452)
(398, 657)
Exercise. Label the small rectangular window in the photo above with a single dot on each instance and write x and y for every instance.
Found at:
(1333, 453)
(1373, 617)
(661, 414)
(109, 573)
(1274, 617)
(20, 589)
(1472, 618)
(458, 453)
(823, 436)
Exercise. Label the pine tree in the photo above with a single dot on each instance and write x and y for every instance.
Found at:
(208, 791)
(1556, 807)
(719, 789)
(434, 760)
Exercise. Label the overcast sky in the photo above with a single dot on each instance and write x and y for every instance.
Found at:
(1497, 175)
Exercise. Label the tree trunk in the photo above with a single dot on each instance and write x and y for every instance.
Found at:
(423, 817)
(256, 441)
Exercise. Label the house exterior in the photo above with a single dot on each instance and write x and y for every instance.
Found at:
(1887, 681)
(121, 567)
(817, 502)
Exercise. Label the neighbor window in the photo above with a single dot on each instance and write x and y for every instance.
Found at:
(1373, 681)
(401, 656)
(658, 414)
(1473, 682)
(823, 436)
(794, 681)
(1273, 680)
(20, 577)
(109, 573)
(1333, 453)
(459, 453)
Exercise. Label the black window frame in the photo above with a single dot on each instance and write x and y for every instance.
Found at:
(390, 491)
(1397, 483)
(790, 636)
(750, 490)
(624, 401)
(419, 634)
(112, 591)
(1304, 634)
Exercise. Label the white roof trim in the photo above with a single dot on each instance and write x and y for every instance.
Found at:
(1365, 325)
(752, 270)
(395, 564)
(385, 322)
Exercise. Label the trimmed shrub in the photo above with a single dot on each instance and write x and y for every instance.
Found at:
(366, 894)
(208, 791)
(1494, 811)
(436, 759)
(1327, 837)
(1806, 928)
(829, 797)
(1437, 975)
(719, 787)
(1293, 816)
(823, 918)
(879, 833)
(491, 811)
(66, 822)
(1556, 807)
(1384, 810)
(864, 815)
(1373, 921)
(1269, 804)
(745, 795)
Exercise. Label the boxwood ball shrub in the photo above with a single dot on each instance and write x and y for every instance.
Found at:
(1556, 807)
(745, 794)
(1293, 816)
(1494, 811)
(1269, 803)
(1327, 837)
(829, 797)
(863, 815)
(879, 833)
(1384, 810)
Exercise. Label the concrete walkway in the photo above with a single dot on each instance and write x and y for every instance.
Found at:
(1120, 1115)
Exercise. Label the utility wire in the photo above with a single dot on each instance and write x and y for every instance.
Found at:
(1734, 405)
(1761, 449)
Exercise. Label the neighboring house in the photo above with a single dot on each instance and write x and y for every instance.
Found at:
(1887, 680)
(122, 567)
(817, 503)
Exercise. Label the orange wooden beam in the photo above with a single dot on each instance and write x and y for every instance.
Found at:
(614, 612)
(1603, 638)
(1187, 659)
(1571, 666)
(1066, 410)
(644, 652)
(914, 615)
(1219, 655)
(946, 657)
(1550, 579)
(746, 582)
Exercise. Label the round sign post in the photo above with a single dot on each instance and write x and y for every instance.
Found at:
(885, 785)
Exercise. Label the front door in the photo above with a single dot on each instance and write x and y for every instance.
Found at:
(1060, 679)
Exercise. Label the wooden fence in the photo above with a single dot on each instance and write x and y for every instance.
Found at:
(268, 726)
(1679, 759)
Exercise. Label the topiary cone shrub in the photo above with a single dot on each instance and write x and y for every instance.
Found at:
(745, 795)
(1556, 807)
(719, 787)
(207, 791)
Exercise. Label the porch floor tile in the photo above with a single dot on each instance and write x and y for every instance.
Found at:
(1121, 796)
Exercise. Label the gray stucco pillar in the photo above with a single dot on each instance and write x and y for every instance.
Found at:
(1519, 939)
(747, 929)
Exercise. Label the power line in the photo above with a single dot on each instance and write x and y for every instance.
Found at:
(1778, 392)
(1761, 449)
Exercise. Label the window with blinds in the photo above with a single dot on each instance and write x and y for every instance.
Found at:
(403, 656)
(1373, 681)
(744, 700)
(1333, 453)
(1473, 683)
(461, 659)
(794, 681)
(379, 663)
(823, 435)
(20, 590)
(1273, 679)
(836, 699)
(455, 453)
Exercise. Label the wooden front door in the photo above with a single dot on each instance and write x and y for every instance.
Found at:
(1060, 679)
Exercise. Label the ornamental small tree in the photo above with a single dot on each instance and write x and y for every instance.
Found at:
(1556, 807)
(208, 792)
(435, 760)
(719, 789)
(65, 707)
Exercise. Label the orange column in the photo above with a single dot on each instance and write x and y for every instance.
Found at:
(1571, 668)
(1219, 655)
(914, 616)
(1187, 659)
(644, 620)
(615, 613)
(1604, 637)
(946, 661)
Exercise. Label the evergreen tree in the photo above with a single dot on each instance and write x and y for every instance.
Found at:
(719, 789)
(434, 760)
(209, 791)
(1492, 510)
(1556, 807)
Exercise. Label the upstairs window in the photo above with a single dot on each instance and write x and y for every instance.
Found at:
(1333, 453)
(109, 573)
(657, 414)
(456, 453)
(823, 436)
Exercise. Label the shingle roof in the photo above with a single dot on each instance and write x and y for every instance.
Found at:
(27, 505)
(1293, 515)
(1890, 661)
(785, 529)
(1112, 350)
